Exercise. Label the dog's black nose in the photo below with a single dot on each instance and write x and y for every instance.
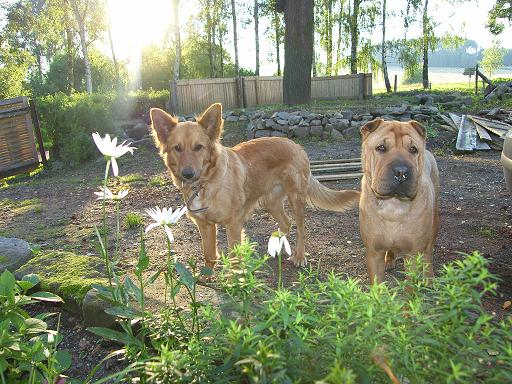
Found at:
(401, 173)
(187, 173)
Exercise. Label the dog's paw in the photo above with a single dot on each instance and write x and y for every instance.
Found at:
(298, 261)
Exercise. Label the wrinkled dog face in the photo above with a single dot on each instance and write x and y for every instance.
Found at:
(393, 156)
(187, 147)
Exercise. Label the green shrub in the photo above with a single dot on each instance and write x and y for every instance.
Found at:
(67, 122)
(133, 220)
(333, 330)
(28, 349)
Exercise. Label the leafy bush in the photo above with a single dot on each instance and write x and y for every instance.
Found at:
(133, 220)
(321, 329)
(67, 122)
(28, 349)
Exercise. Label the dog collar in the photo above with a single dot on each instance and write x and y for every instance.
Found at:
(195, 193)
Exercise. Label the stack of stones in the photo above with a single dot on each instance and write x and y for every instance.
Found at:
(344, 124)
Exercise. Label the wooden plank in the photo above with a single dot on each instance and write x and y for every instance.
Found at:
(355, 167)
(492, 123)
(482, 132)
(466, 138)
(335, 161)
(341, 176)
(450, 122)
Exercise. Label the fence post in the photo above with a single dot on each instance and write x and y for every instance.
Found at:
(173, 98)
(361, 86)
(395, 85)
(476, 79)
(256, 89)
(240, 92)
(244, 92)
(37, 128)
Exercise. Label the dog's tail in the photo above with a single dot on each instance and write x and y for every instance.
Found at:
(319, 196)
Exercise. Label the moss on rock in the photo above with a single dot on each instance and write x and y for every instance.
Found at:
(66, 273)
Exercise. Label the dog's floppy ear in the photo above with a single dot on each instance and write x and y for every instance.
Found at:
(162, 123)
(419, 127)
(211, 119)
(370, 126)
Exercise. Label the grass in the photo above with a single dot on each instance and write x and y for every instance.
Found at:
(488, 232)
(131, 178)
(158, 181)
(133, 220)
(66, 273)
(22, 206)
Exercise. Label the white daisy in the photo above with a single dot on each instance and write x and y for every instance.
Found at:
(164, 218)
(276, 243)
(106, 193)
(110, 149)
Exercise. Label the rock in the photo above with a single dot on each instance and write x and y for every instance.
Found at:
(181, 119)
(13, 253)
(294, 120)
(93, 311)
(282, 128)
(421, 117)
(316, 130)
(316, 122)
(377, 112)
(269, 123)
(389, 117)
(448, 98)
(325, 120)
(282, 122)
(349, 115)
(243, 118)
(354, 123)
(263, 133)
(303, 123)
(278, 134)
(351, 133)
(299, 131)
(283, 115)
(232, 118)
(336, 134)
(138, 131)
(466, 100)
(328, 128)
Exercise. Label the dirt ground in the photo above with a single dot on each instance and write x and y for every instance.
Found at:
(476, 214)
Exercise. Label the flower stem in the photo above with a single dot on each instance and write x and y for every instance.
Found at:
(117, 231)
(169, 278)
(279, 271)
(103, 208)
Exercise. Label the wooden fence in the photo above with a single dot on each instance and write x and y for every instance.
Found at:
(18, 152)
(197, 95)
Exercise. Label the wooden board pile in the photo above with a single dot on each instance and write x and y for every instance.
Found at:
(477, 133)
(335, 170)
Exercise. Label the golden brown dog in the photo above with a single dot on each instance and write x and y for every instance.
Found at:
(399, 205)
(223, 185)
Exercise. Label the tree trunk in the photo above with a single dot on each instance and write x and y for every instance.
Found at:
(328, 35)
(114, 59)
(338, 47)
(354, 36)
(426, 38)
(257, 37)
(313, 63)
(384, 64)
(80, 19)
(69, 53)
(209, 28)
(278, 44)
(177, 58)
(298, 49)
(235, 37)
(221, 56)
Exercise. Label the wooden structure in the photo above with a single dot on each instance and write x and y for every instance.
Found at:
(18, 152)
(337, 169)
(484, 78)
(197, 95)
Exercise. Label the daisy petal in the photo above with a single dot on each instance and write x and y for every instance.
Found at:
(169, 233)
(287, 248)
(151, 226)
(115, 168)
(273, 246)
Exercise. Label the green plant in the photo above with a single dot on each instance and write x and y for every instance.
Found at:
(28, 349)
(131, 178)
(158, 181)
(133, 220)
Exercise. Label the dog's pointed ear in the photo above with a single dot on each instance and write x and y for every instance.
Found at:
(162, 123)
(419, 127)
(212, 121)
(370, 126)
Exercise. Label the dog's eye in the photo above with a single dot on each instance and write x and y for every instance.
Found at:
(177, 148)
(381, 148)
(198, 147)
(413, 149)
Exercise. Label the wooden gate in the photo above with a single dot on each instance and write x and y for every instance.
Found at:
(18, 152)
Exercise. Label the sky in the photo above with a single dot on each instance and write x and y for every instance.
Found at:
(136, 22)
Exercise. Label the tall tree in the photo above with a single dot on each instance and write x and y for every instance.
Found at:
(502, 9)
(275, 30)
(493, 58)
(298, 49)
(177, 57)
(426, 39)
(325, 29)
(354, 34)
(383, 48)
(80, 13)
(235, 37)
(257, 36)
(113, 52)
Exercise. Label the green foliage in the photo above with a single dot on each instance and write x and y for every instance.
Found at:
(13, 71)
(156, 67)
(133, 220)
(493, 58)
(330, 331)
(158, 181)
(502, 9)
(28, 349)
(131, 178)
